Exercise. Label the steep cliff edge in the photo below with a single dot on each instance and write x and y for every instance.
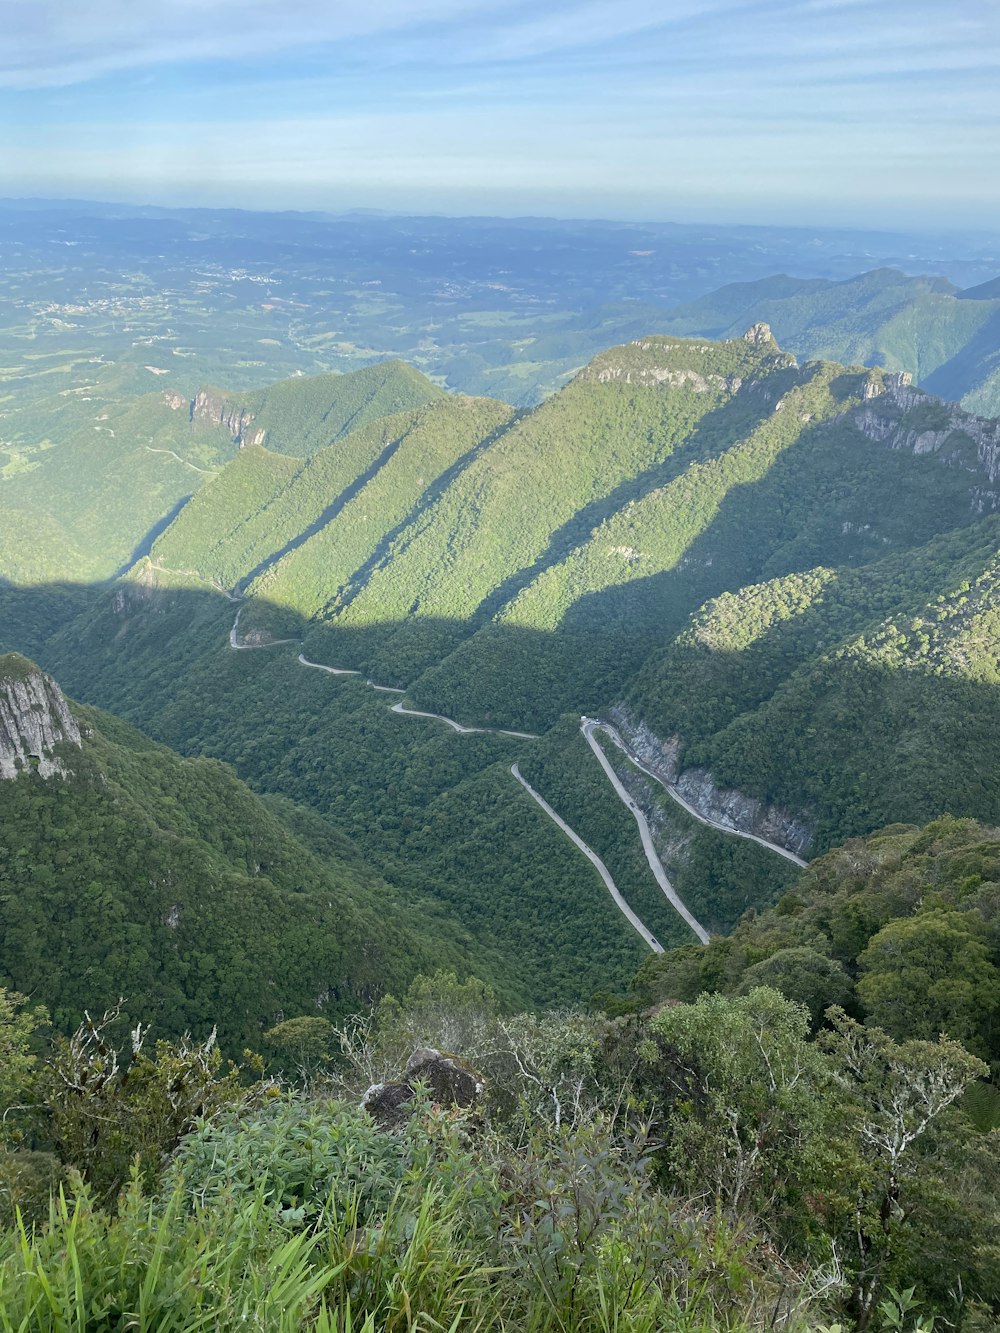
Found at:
(34, 719)
(217, 408)
(901, 416)
(734, 809)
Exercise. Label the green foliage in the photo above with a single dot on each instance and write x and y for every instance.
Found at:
(356, 528)
(709, 1164)
(883, 318)
(804, 976)
(106, 1112)
(154, 1270)
(899, 928)
(931, 973)
(168, 882)
(862, 697)
(19, 1028)
(300, 415)
(301, 1046)
(301, 1158)
(746, 1107)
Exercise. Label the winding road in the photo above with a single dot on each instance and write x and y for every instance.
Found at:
(209, 472)
(595, 860)
(237, 647)
(675, 795)
(588, 727)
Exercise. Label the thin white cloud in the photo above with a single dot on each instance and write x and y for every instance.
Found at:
(54, 42)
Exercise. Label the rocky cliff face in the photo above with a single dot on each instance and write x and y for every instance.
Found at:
(34, 719)
(210, 405)
(732, 808)
(900, 416)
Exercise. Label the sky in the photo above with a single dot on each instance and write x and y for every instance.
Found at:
(805, 112)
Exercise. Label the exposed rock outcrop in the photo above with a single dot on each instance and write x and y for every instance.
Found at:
(210, 405)
(666, 362)
(734, 809)
(449, 1081)
(34, 719)
(759, 335)
(900, 416)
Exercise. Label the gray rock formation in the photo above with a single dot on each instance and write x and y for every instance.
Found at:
(211, 406)
(448, 1080)
(34, 719)
(899, 416)
(759, 335)
(734, 809)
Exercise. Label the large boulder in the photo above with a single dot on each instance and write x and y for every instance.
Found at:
(448, 1080)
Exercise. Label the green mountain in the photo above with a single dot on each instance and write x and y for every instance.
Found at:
(264, 507)
(948, 339)
(296, 417)
(778, 579)
(90, 476)
(128, 871)
(899, 927)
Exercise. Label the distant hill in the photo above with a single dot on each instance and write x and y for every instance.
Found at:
(948, 339)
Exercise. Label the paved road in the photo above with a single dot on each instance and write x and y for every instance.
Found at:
(588, 726)
(457, 726)
(234, 638)
(387, 689)
(675, 795)
(334, 671)
(209, 472)
(595, 860)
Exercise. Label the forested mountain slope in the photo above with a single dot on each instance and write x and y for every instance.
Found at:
(899, 927)
(128, 871)
(948, 339)
(89, 476)
(779, 577)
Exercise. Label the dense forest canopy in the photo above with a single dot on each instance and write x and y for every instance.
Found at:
(373, 609)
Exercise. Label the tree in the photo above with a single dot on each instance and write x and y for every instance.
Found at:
(803, 975)
(18, 1029)
(302, 1046)
(893, 1094)
(107, 1107)
(928, 974)
(744, 1100)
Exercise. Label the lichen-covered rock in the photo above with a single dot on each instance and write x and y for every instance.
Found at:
(759, 335)
(448, 1080)
(34, 719)
(388, 1104)
(451, 1082)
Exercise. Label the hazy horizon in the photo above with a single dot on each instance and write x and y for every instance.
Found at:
(814, 113)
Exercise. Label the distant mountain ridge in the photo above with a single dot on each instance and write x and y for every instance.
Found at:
(948, 339)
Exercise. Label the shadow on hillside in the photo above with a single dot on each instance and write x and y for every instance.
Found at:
(856, 744)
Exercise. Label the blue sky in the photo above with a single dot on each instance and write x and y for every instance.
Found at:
(845, 112)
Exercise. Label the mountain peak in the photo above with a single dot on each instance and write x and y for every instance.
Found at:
(697, 364)
(34, 719)
(759, 335)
